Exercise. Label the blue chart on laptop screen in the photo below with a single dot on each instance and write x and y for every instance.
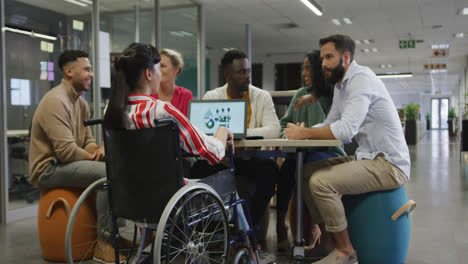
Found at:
(209, 115)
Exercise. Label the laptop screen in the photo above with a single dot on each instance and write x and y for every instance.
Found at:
(208, 115)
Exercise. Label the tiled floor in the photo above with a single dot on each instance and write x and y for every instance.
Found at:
(439, 234)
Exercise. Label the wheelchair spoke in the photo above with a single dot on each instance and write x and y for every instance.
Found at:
(195, 230)
(214, 241)
(215, 228)
(210, 259)
(178, 253)
(195, 259)
(178, 239)
(87, 243)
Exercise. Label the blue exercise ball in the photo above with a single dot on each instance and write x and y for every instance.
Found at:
(377, 238)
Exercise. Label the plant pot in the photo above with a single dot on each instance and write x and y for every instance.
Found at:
(464, 134)
(410, 132)
(450, 127)
(428, 124)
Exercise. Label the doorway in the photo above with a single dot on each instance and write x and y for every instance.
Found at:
(439, 113)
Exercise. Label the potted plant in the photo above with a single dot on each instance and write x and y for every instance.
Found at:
(411, 112)
(452, 115)
(428, 121)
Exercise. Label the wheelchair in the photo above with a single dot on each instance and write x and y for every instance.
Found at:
(194, 222)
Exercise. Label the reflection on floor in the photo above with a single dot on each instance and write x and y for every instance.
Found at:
(439, 185)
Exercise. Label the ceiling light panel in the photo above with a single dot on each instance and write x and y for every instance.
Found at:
(347, 21)
(463, 11)
(440, 46)
(312, 5)
(394, 75)
(29, 33)
(336, 21)
(76, 3)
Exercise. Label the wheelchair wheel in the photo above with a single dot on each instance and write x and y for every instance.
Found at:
(242, 257)
(193, 228)
(81, 237)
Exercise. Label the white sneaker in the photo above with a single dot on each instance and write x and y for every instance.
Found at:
(334, 258)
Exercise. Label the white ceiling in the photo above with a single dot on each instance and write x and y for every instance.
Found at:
(384, 21)
(63, 7)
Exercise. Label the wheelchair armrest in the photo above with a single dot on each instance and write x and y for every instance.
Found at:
(92, 122)
(165, 121)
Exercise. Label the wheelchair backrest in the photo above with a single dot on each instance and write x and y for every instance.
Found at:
(143, 170)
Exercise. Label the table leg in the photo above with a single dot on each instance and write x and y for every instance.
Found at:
(298, 250)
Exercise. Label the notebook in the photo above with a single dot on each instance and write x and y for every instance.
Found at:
(208, 115)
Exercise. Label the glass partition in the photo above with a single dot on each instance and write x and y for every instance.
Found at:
(36, 32)
(122, 23)
(179, 31)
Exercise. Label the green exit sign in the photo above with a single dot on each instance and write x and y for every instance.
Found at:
(408, 44)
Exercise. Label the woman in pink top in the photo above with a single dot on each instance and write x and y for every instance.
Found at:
(172, 65)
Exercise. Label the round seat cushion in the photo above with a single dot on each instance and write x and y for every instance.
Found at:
(374, 235)
(54, 208)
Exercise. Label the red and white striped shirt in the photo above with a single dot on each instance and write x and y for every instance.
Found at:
(143, 109)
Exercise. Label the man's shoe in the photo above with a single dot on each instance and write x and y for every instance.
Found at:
(104, 253)
(266, 258)
(334, 258)
(316, 253)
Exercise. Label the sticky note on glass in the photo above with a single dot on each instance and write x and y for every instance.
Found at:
(50, 47)
(78, 25)
(43, 65)
(50, 76)
(44, 45)
(43, 75)
(50, 66)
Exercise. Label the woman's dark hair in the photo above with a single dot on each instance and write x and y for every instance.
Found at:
(128, 68)
(320, 87)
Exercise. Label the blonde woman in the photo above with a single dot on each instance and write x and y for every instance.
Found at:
(172, 65)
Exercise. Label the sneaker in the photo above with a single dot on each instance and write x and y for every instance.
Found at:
(334, 258)
(104, 253)
(266, 258)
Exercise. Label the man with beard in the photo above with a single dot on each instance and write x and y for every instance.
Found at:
(363, 109)
(261, 121)
(63, 152)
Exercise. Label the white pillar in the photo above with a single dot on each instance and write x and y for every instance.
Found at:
(201, 52)
(248, 34)
(96, 64)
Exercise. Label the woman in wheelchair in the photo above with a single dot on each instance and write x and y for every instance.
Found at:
(131, 107)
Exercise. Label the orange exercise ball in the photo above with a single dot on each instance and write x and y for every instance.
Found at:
(55, 205)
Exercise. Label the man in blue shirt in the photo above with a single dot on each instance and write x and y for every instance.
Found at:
(363, 109)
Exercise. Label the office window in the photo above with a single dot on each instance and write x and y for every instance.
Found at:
(20, 92)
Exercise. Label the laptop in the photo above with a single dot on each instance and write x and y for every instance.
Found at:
(208, 115)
